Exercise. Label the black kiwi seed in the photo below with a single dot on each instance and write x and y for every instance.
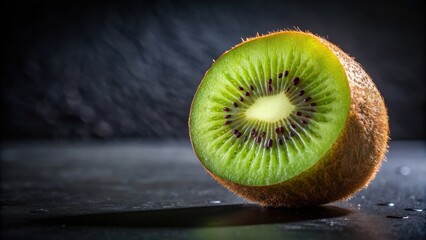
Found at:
(263, 134)
(301, 93)
(269, 143)
(298, 113)
(285, 73)
(228, 122)
(307, 99)
(241, 99)
(236, 133)
(254, 133)
(247, 94)
(251, 87)
(313, 104)
(226, 109)
(280, 141)
(280, 75)
(241, 88)
(269, 88)
(296, 81)
(235, 104)
(228, 116)
(270, 81)
(278, 130)
(258, 140)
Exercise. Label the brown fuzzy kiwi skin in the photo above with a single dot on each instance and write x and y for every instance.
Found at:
(349, 165)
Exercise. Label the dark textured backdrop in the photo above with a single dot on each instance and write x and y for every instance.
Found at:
(130, 68)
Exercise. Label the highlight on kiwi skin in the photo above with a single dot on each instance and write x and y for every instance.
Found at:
(288, 119)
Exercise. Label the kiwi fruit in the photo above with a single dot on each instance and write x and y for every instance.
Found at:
(288, 119)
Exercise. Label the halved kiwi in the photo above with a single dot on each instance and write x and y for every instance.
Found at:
(288, 119)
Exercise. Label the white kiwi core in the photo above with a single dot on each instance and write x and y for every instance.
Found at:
(270, 108)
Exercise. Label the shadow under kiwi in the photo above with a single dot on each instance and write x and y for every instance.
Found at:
(206, 216)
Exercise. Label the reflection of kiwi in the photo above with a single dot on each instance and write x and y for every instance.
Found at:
(288, 119)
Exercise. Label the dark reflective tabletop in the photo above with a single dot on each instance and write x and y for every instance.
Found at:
(158, 190)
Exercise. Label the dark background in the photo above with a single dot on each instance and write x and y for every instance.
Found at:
(105, 69)
(119, 70)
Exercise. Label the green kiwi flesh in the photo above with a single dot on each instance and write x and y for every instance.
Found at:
(269, 109)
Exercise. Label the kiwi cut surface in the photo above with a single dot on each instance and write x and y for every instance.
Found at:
(271, 113)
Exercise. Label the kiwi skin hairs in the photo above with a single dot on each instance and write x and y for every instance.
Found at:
(349, 165)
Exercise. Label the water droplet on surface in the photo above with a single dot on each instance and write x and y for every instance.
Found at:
(389, 204)
(414, 209)
(397, 217)
(216, 201)
(404, 171)
(41, 210)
